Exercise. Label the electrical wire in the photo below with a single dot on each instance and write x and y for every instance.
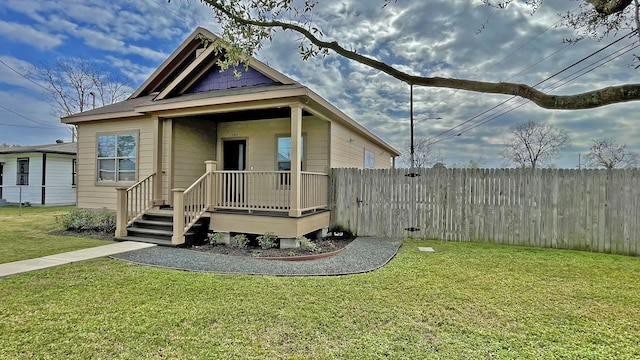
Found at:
(458, 133)
(27, 118)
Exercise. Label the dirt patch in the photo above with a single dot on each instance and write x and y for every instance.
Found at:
(325, 245)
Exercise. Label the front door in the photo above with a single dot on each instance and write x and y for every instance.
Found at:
(235, 155)
(234, 158)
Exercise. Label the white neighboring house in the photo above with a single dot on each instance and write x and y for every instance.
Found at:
(38, 175)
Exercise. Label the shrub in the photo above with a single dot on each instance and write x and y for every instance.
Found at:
(238, 241)
(88, 220)
(267, 240)
(308, 244)
(216, 237)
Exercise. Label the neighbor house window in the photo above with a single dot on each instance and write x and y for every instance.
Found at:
(117, 160)
(23, 172)
(284, 157)
(74, 171)
(369, 159)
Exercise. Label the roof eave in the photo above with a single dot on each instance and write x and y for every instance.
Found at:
(351, 122)
(225, 100)
(105, 116)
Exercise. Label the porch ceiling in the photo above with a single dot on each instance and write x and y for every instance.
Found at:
(254, 114)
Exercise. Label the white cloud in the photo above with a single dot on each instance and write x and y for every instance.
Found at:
(26, 34)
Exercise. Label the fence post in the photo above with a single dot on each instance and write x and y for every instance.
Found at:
(210, 190)
(121, 212)
(178, 216)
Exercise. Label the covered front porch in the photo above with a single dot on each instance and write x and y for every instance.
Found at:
(240, 191)
(286, 203)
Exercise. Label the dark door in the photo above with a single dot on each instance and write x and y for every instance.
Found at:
(1, 174)
(234, 154)
(234, 158)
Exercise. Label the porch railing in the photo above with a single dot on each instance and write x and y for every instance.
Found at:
(133, 202)
(314, 190)
(267, 190)
(195, 201)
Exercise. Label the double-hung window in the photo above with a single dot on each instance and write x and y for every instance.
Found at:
(117, 157)
(22, 177)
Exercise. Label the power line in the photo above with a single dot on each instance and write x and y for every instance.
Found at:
(23, 76)
(26, 118)
(522, 102)
(46, 126)
(27, 126)
(511, 53)
(458, 133)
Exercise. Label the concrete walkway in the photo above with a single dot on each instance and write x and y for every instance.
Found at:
(22, 266)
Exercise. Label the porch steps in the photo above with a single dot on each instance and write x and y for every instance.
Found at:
(156, 227)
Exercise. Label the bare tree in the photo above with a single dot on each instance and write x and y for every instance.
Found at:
(533, 145)
(607, 153)
(472, 164)
(246, 24)
(424, 155)
(76, 85)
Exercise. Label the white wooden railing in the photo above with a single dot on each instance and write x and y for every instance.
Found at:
(314, 190)
(133, 201)
(195, 201)
(267, 190)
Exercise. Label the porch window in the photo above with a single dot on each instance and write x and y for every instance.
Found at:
(284, 153)
(117, 157)
(284, 157)
(22, 177)
(369, 159)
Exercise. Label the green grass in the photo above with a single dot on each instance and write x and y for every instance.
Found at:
(25, 234)
(466, 301)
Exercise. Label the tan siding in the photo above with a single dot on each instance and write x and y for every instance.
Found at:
(97, 196)
(347, 149)
(194, 142)
(261, 138)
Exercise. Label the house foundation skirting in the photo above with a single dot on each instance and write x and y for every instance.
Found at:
(260, 223)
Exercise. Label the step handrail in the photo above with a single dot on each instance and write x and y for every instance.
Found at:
(189, 206)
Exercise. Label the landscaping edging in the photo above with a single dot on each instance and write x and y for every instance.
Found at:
(301, 257)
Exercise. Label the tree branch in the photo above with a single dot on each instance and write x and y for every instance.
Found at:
(587, 100)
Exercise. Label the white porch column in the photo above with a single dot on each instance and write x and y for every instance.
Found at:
(210, 190)
(157, 160)
(178, 216)
(121, 212)
(296, 161)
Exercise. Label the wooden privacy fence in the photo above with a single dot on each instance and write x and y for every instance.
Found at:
(594, 210)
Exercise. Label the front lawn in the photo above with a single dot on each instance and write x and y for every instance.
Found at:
(466, 301)
(25, 233)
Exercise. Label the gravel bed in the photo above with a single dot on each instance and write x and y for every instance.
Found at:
(362, 255)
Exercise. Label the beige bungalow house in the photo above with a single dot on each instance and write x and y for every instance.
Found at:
(250, 154)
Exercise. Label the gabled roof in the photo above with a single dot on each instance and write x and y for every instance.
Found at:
(62, 148)
(190, 80)
(190, 61)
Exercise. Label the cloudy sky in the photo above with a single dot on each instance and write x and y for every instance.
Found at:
(459, 39)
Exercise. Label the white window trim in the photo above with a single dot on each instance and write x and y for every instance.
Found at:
(115, 181)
